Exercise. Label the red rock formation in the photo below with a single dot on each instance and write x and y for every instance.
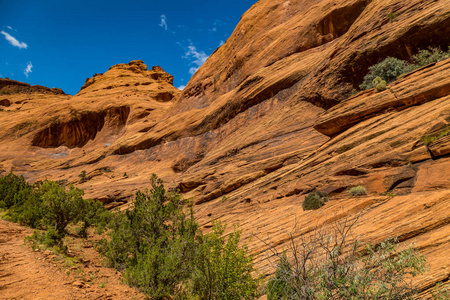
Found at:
(8, 86)
(263, 122)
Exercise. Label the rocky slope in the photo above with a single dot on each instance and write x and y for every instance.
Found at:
(264, 121)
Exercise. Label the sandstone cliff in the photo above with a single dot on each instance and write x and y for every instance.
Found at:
(266, 120)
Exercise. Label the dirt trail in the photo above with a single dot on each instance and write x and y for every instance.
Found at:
(28, 274)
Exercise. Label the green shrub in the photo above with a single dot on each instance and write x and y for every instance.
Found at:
(430, 138)
(105, 169)
(441, 293)
(49, 239)
(327, 265)
(389, 69)
(83, 177)
(223, 269)
(10, 187)
(315, 200)
(358, 190)
(94, 214)
(279, 286)
(47, 205)
(30, 211)
(159, 246)
(63, 207)
(392, 16)
(154, 242)
(431, 55)
(379, 84)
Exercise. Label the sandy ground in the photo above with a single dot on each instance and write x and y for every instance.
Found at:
(28, 274)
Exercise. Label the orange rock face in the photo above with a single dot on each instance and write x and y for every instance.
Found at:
(263, 122)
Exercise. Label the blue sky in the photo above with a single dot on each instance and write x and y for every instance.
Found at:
(59, 43)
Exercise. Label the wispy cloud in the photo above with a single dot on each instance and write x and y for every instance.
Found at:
(163, 23)
(9, 27)
(217, 23)
(221, 43)
(13, 41)
(181, 87)
(196, 58)
(193, 70)
(28, 69)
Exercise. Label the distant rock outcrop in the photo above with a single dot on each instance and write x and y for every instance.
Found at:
(266, 120)
(8, 86)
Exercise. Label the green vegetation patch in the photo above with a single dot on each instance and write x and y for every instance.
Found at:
(49, 206)
(83, 177)
(318, 269)
(158, 245)
(358, 190)
(428, 139)
(392, 68)
(315, 200)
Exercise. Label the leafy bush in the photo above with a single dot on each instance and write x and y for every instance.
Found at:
(441, 293)
(315, 200)
(50, 239)
(30, 211)
(159, 246)
(10, 187)
(358, 190)
(223, 269)
(47, 205)
(431, 55)
(154, 241)
(327, 265)
(83, 177)
(379, 84)
(389, 69)
(63, 207)
(279, 286)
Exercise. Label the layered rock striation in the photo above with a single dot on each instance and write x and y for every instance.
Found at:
(266, 120)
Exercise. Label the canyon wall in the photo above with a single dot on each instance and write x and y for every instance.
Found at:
(267, 119)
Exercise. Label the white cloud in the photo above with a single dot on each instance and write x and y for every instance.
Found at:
(28, 69)
(9, 27)
(217, 23)
(193, 70)
(13, 41)
(196, 58)
(163, 23)
(181, 87)
(221, 43)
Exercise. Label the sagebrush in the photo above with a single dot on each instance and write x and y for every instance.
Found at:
(330, 263)
(315, 200)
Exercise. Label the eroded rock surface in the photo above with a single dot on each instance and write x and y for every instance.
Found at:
(264, 121)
